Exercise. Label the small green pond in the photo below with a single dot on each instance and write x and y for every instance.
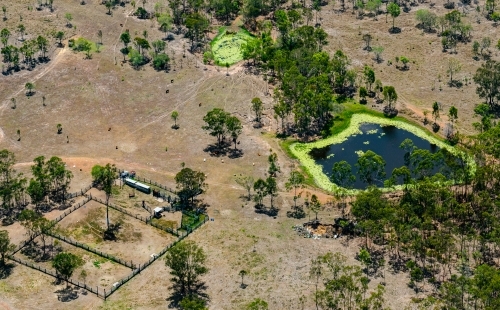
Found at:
(226, 46)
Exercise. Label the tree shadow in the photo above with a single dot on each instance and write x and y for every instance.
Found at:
(8, 220)
(378, 59)
(111, 233)
(376, 257)
(435, 127)
(455, 83)
(449, 5)
(32, 251)
(297, 213)
(6, 270)
(397, 264)
(394, 30)
(426, 30)
(262, 209)
(235, 153)
(67, 294)
(176, 297)
(390, 112)
(215, 150)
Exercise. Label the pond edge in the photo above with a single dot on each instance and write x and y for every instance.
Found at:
(301, 150)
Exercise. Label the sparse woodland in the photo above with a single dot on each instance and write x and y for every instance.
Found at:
(442, 236)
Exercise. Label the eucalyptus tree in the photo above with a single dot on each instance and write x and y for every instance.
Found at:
(22, 30)
(295, 181)
(371, 167)
(105, 176)
(257, 108)
(12, 183)
(394, 10)
(234, 128)
(342, 174)
(246, 182)
(4, 36)
(5, 246)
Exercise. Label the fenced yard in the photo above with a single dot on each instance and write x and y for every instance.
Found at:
(108, 264)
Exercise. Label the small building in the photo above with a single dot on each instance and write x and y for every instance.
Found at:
(157, 212)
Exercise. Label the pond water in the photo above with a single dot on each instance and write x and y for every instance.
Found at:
(226, 47)
(383, 140)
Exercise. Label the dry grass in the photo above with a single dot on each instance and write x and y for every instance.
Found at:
(90, 96)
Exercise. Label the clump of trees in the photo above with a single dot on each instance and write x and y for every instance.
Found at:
(5, 246)
(342, 286)
(295, 182)
(267, 187)
(51, 180)
(37, 225)
(453, 30)
(390, 97)
(82, 45)
(138, 53)
(12, 187)
(30, 53)
(487, 78)
(222, 124)
(427, 19)
(439, 234)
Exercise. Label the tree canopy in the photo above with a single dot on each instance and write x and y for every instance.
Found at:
(186, 262)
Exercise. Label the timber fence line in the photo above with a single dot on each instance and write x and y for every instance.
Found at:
(99, 291)
(146, 219)
(78, 193)
(119, 209)
(153, 259)
(169, 230)
(145, 206)
(71, 210)
(92, 250)
(94, 290)
(149, 181)
(54, 222)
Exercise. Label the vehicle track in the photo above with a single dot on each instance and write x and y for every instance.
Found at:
(57, 58)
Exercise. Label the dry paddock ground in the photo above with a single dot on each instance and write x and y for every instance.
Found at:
(90, 96)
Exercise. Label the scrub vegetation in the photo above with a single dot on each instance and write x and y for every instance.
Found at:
(197, 97)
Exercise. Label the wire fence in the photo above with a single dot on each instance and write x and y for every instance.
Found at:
(100, 292)
(152, 260)
(146, 219)
(119, 209)
(145, 206)
(169, 230)
(78, 193)
(54, 222)
(71, 210)
(95, 251)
